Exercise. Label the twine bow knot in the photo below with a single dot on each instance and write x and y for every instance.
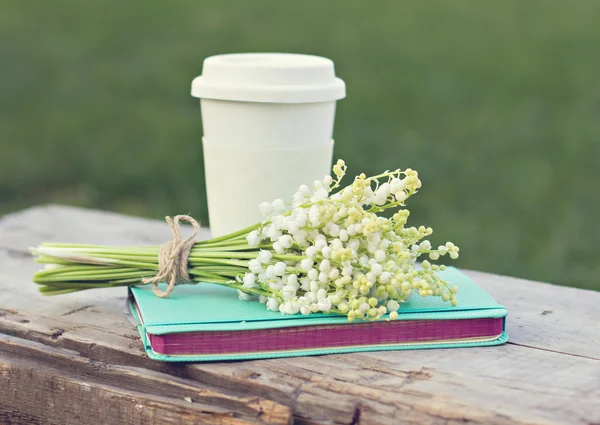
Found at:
(173, 257)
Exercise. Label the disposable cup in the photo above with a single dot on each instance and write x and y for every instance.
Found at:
(235, 187)
(268, 128)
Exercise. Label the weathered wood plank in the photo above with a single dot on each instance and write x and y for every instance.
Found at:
(50, 396)
(550, 373)
(61, 386)
(525, 385)
(546, 316)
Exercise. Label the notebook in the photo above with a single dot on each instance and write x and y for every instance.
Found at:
(208, 322)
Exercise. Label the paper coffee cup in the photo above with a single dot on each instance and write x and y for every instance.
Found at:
(268, 127)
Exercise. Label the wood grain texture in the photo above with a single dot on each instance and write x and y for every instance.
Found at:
(549, 373)
(61, 386)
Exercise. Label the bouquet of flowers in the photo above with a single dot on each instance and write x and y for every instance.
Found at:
(328, 252)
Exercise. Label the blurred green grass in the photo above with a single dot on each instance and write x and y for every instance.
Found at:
(496, 104)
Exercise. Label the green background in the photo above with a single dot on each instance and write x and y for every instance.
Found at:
(496, 104)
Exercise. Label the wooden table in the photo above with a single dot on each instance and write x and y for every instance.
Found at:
(77, 359)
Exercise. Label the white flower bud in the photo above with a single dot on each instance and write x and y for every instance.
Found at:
(353, 244)
(393, 305)
(320, 244)
(273, 234)
(300, 235)
(401, 196)
(288, 292)
(310, 252)
(278, 206)
(304, 190)
(271, 272)
(385, 277)
(320, 195)
(321, 293)
(276, 284)
(265, 208)
(396, 184)
(255, 266)
(306, 264)
(244, 295)
(264, 256)
(336, 244)
(273, 304)
(323, 277)
(253, 238)
(314, 287)
(371, 277)
(279, 268)
(334, 273)
(249, 280)
(376, 269)
(278, 222)
(334, 230)
(324, 304)
(278, 248)
(285, 241)
(325, 266)
(381, 194)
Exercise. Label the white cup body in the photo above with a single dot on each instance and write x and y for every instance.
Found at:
(256, 152)
(268, 125)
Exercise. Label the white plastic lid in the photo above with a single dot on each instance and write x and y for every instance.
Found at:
(268, 77)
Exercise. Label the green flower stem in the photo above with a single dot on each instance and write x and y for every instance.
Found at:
(73, 268)
(58, 251)
(234, 285)
(48, 260)
(218, 261)
(233, 235)
(218, 269)
(288, 257)
(103, 247)
(65, 277)
(217, 254)
(207, 275)
(228, 248)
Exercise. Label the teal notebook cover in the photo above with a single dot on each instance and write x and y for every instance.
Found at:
(214, 308)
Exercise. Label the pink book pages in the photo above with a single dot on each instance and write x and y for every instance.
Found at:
(326, 336)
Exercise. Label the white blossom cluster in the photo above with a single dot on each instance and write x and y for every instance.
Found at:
(332, 253)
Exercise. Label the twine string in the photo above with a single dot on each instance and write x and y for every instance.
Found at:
(173, 257)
